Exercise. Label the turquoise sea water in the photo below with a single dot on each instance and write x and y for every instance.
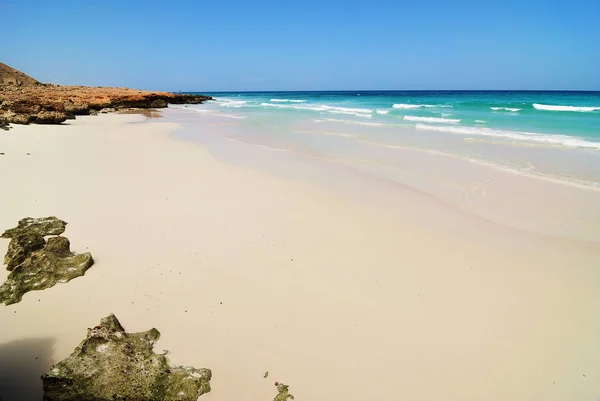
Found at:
(555, 134)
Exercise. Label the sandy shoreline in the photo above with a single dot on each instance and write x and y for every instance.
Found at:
(244, 272)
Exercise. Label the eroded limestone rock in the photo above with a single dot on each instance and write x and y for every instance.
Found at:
(44, 268)
(283, 393)
(28, 237)
(43, 225)
(21, 246)
(111, 364)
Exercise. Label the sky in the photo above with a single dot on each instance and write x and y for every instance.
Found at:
(226, 45)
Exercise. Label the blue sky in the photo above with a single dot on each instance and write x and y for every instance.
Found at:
(306, 44)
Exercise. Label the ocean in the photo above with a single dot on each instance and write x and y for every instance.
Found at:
(550, 135)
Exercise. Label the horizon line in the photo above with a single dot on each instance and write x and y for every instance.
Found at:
(393, 90)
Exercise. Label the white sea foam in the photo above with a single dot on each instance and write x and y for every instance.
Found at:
(480, 121)
(288, 100)
(581, 109)
(352, 122)
(365, 113)
(432, 119)
(224, 102)
(349, 113)
(512, 109)
(563, 140)
(418, 106)
(382, 111)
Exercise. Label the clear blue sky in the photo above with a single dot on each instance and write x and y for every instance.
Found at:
(306, 44)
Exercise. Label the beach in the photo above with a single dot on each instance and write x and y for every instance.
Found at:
(336, 281)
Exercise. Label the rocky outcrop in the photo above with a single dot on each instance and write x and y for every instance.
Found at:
(4, 124)
(111, 364)
(35, 264)
(53, 104)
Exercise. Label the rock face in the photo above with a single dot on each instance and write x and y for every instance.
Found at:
(23, 100)
(35, 264)
(113, 365)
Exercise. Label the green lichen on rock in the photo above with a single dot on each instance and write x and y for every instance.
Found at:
(43, 226)
(283, 393)
(111, 364)
(44, 268)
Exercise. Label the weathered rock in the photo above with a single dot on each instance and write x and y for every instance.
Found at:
(158, 103)
(111, 364)
(44, 268)
(93, 112)
(50, 117)
(21, 246)
(42, 225)
(4, 124)
(283, 393)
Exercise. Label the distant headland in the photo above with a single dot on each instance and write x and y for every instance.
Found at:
(24, 100)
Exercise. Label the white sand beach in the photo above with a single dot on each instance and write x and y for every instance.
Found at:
(244, 271)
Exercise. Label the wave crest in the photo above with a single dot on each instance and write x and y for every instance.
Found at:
(512, 109)
(580, 109)
(563, 140)
(432, 119)
(288, 100)
(418, 106)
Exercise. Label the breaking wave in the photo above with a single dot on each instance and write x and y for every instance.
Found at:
(563, 140)
(549, 107)
(432, 119)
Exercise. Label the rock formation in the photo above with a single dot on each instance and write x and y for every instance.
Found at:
(35, 264)
(23, 100)
(111, 364)
(283, 393)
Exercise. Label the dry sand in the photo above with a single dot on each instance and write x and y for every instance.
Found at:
(244, 272)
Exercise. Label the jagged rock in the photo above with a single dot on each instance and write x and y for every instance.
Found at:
(93, 112)
(113, 365)
(41, 225)
(21, 246)
(50, 117)
(283, 393)
(42, 269)
(28, 237)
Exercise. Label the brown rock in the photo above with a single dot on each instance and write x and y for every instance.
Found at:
(50, 117)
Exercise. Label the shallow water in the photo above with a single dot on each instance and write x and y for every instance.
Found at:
(542, 182)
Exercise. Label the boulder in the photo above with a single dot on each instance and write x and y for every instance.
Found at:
(4, 125)
(93, 112)
(113, 365)
(44, 268)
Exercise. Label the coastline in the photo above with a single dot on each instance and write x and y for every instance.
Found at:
(244, 271)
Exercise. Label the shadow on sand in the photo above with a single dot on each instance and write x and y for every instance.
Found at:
(22, 363)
